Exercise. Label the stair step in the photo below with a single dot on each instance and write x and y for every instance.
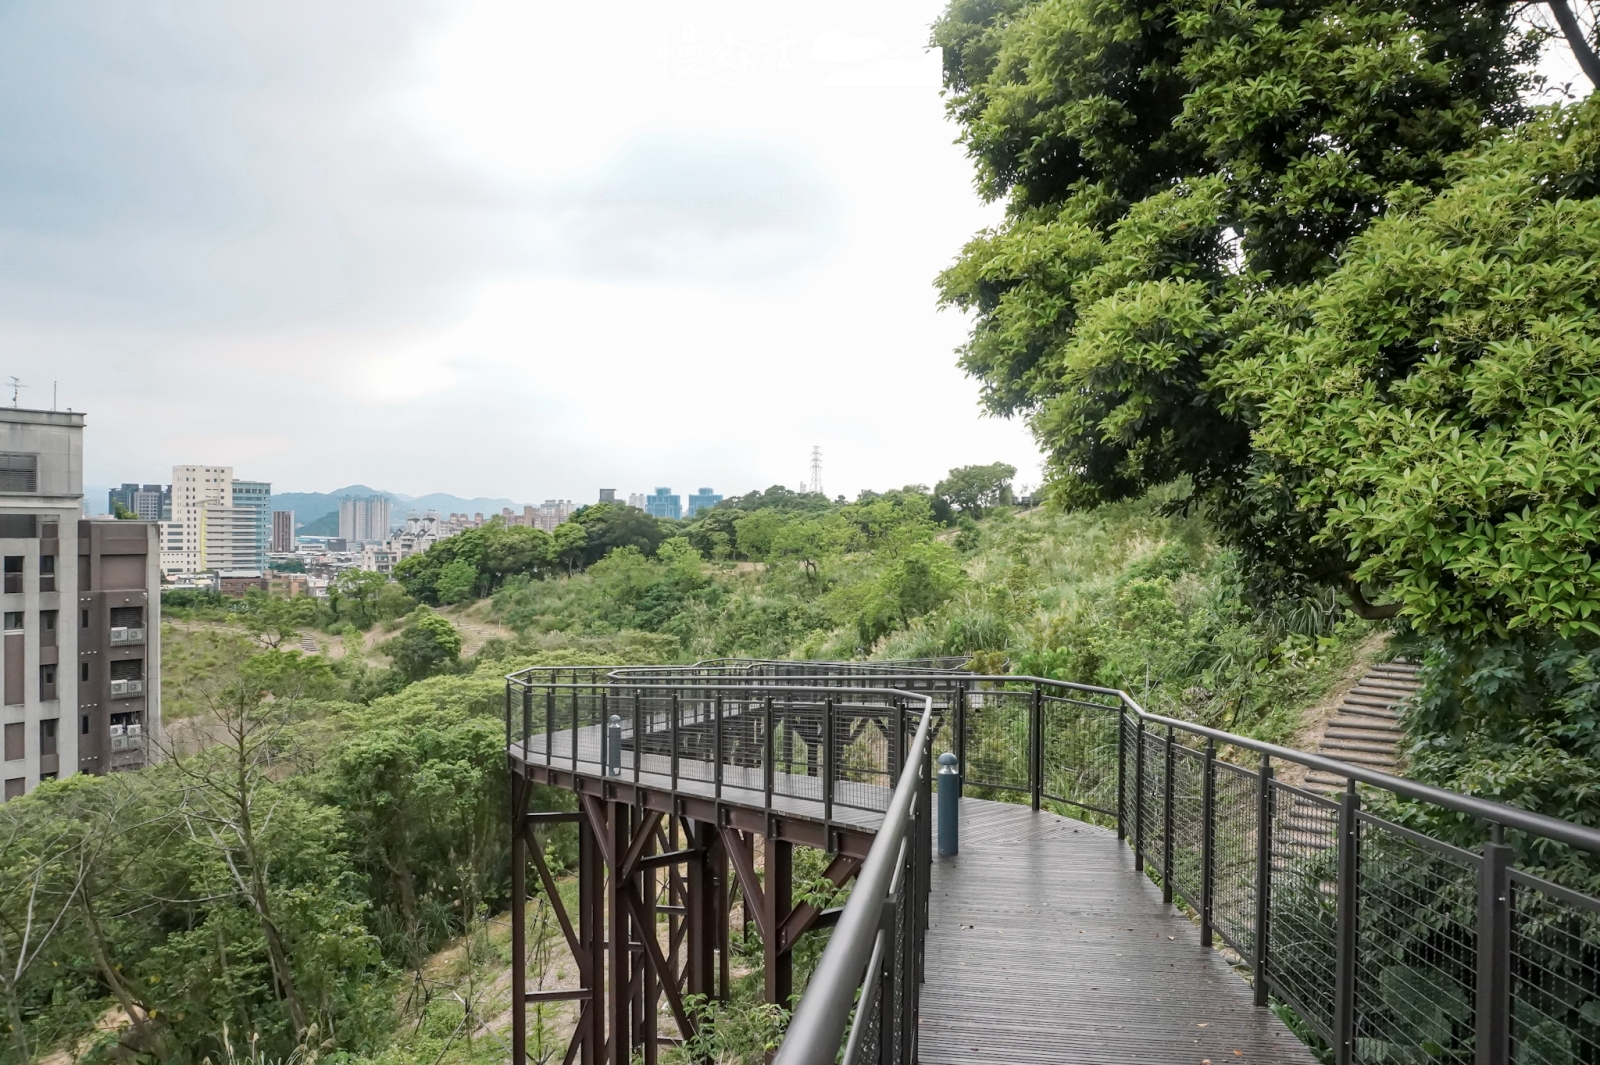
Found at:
(1363, 730)
(1336, 744)
(1370, 702)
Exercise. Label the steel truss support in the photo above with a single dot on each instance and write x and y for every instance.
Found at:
(652, 920)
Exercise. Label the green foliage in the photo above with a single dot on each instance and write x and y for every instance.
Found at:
(974, 489)
(427, 645)
(1433, 403)
(475, 562)
(1167, 169)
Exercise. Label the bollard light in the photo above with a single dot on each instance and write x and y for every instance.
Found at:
(614, 746)
(949, 806)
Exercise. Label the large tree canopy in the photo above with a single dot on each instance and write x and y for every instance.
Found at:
(1169, 168)
(1437, 407)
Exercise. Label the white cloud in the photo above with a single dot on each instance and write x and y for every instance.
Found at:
(494, 247)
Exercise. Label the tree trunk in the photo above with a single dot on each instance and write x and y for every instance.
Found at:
(1588, 61)
(136, 1013)
(1364, 609)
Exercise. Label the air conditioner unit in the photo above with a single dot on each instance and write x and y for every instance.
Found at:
(135, 687)
(119, 687)
(119, 739)
(119, 634)
(135, 635)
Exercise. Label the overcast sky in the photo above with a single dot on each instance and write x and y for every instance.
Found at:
(490, 248)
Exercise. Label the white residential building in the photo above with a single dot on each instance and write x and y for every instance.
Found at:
(218, 524)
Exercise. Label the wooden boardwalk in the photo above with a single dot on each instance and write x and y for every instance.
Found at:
(1046, 946)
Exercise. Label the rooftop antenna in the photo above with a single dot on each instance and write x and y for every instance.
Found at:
(816, 469)
(16, 386)
(55, 393)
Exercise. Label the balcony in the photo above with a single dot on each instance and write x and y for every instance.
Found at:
(127, 634)
(124, 689)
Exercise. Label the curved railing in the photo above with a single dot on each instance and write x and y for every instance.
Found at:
(1361, 910)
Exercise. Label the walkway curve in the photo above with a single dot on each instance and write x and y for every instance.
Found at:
(1058, 951)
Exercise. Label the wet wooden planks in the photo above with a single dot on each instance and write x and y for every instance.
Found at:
(1045, 946)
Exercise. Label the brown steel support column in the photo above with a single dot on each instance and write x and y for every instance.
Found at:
(650, 988)
(519, 918)
(591, 1036)
(776, 897)
(700, 904)
(617, 992)
(721, 897)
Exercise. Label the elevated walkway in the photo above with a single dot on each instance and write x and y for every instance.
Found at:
(1045, 945)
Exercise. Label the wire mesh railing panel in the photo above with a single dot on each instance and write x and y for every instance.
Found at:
(1080, 755)
(1234, 840)
(1416, 953)
(1128, 801)
(798, 749)
(863, 738)
(997, 739)
(1555, 974)
(1188, 822)
(1304, 903)
(1152, 798)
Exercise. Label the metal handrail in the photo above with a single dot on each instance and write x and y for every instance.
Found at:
(819, 1021)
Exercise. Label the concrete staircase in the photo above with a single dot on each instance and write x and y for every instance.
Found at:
(1366, 729)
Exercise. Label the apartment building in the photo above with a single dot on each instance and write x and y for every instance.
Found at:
(149, 502)
(704, 499)
(283, 539)
(79, 658)
(364, 518)
(218, 524)
(549, 514)
(663, 504)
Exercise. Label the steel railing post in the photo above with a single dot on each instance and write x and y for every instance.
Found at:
(1208, 840)
(1345, 929)
(575, 728)
(672, 729)
(1263, 927)
(549, 725)
(828, 715)
(960, 736)
(1138, 798)
(1166, 821)
(716, 746)
(1122, 758)
(1494, 951)
(527, 719)
(1035, 745)
(638, 731)
(769, 777)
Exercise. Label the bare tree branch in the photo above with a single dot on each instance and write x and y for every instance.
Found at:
(1582, 50)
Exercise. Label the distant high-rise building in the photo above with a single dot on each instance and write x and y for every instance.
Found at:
(663, 504)
(149, 502)
(550, 513)
(283, 540)
(636, 499)
(216, 524)
(704, 499)
(257, 497)
(364, 518)
(608, 495)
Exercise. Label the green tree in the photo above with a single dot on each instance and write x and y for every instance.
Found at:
(569, 543)
(974, 489)
(457, 582)
(1168, 169)
(1434, 404)
(360, 590)
(427, 645)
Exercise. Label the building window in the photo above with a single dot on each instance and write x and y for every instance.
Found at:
(18, 526)
(13, 621)
(85, 729)
(13, 571)
(83, 672)
(47, 682)
(15, 787)
(47, 737)
(128, 669)
(127, 616)
(19, 472)
(85, 624)
(47, 573)
(16, 738)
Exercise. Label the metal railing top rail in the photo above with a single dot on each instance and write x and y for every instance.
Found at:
(818, 1026)
(1486, 810)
